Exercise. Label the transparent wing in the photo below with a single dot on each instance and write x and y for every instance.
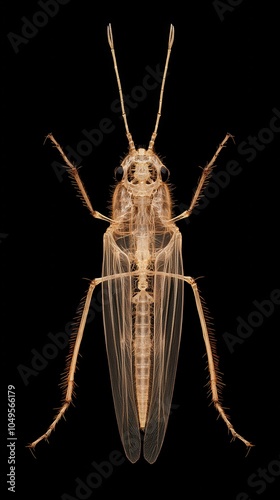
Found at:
(168, 310)
(117, 318)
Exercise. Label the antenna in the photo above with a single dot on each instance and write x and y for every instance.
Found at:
(170, 43)
(128, 134)
(111, 43)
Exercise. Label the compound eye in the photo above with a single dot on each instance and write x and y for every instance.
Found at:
(164, 172)
(119, 173)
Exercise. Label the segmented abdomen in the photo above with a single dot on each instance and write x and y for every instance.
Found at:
(142, 345)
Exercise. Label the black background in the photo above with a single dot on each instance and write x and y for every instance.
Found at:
(223, 77)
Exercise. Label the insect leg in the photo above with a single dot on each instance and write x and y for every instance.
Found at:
(206, 173)
(74, 176)
(69, 376)
(212, 360)
(68, 379)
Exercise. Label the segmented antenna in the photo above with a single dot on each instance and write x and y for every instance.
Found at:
(111, 43)
(128, 134)
(170, 43)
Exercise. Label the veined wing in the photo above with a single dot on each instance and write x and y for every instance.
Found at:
(117, 318)
(168, 313)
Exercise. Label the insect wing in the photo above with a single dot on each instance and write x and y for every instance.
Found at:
(168, 313)
(117, 318)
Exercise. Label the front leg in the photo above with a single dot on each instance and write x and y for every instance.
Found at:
(74, 176)
(206, 173)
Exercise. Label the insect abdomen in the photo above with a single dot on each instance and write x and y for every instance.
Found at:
(142, 345)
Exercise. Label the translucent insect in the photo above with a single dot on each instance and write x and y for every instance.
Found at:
(143, 284)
